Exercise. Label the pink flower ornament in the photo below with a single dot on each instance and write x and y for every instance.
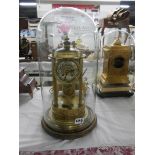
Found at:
(63, 28)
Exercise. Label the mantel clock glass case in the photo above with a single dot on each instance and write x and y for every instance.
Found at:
(68, 36)
(116, 65)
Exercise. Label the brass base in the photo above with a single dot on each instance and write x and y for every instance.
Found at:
(69, 130)
(114, 93)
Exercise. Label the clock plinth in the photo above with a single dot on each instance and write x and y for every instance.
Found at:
(70, 129)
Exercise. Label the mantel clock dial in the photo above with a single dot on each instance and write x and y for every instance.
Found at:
(67, 70)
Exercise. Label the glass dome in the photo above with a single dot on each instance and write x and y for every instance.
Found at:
(116, 65)
(68, 49)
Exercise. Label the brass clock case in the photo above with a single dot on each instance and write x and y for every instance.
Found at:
(68, 117)
(114, 80)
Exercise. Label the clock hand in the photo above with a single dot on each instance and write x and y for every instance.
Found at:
(65, 76)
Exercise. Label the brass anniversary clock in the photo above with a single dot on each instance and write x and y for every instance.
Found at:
(115, 78)
(69, 100)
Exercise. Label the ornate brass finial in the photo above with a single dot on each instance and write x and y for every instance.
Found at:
(66, 43)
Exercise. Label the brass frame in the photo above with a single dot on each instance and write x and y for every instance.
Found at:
(68, 103)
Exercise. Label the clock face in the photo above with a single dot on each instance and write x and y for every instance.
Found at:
(118, 62)
(67, 70)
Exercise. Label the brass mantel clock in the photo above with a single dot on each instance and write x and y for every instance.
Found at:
(114, 79)
(69, 107)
